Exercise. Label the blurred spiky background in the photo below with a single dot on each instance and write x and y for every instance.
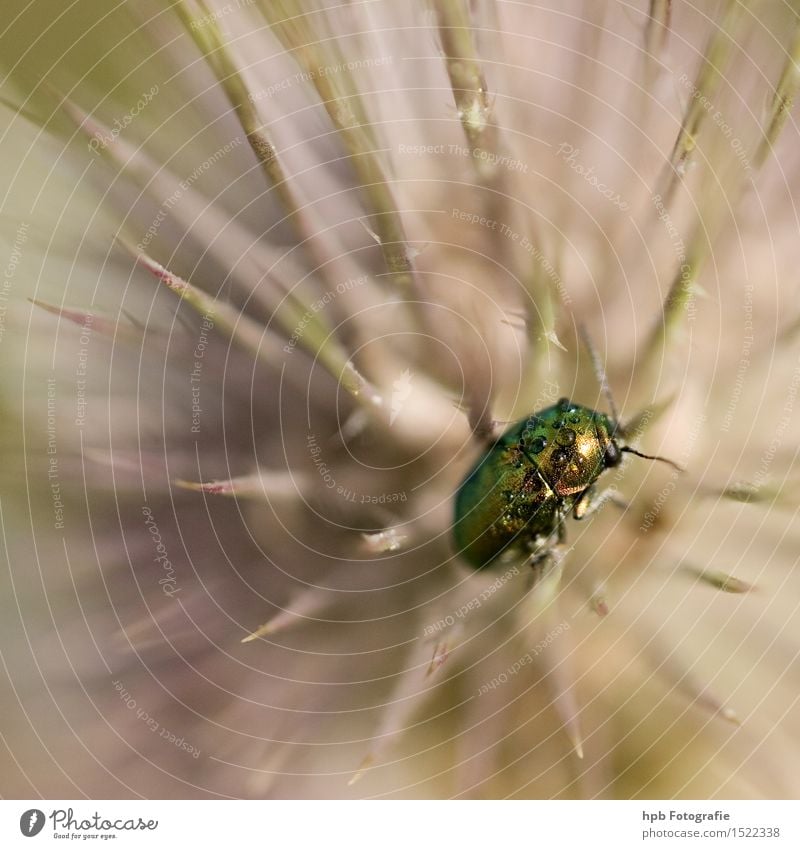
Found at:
(226, 500)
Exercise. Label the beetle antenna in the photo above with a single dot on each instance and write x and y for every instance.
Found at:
(652, 457)
(600, 374)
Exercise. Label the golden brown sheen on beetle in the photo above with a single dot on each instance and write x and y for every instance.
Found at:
(520, 491)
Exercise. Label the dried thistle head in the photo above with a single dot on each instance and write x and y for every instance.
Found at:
(294, 266)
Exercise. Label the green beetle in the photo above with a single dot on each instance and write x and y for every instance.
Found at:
(521, 490)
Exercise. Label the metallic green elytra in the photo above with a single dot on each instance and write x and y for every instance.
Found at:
(524, 486)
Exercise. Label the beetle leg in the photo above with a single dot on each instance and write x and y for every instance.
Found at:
(618, 501)
(583, 503)
(546, 566)
(545, 550)
(540, 551)
(590, 502)
(537, 559)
